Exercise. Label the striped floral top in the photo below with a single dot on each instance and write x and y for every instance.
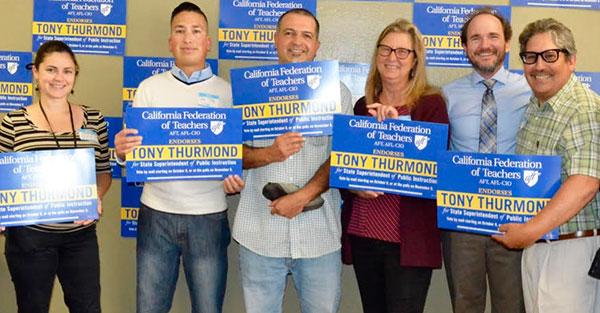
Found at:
(19, 134)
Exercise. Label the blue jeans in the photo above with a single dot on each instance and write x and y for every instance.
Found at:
(200, 241)
(317, 282)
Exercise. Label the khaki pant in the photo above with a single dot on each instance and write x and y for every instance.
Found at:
(555, 278)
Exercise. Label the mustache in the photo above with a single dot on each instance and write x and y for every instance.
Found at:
(489, 50)
(539, 72)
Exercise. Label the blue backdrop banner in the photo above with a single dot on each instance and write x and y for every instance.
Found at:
(130, 208)
(247, 27)
(115, 124)
(15, 80)
(87, 26)
(440, 24)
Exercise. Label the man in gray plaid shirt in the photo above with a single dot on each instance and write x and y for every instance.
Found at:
(282, 237)
(563, 118)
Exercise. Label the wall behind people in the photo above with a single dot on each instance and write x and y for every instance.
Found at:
(348, 32)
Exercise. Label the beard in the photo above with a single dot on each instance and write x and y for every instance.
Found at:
(488, 68)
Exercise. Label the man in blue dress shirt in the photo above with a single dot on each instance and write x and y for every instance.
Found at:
(471, 260)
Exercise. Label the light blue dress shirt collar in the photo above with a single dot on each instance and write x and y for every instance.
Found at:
(196, 76)
(501, 77)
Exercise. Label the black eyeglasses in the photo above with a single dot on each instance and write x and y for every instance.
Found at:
(401, 53)
(549, 56)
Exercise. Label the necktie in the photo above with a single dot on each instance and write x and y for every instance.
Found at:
(488, 124)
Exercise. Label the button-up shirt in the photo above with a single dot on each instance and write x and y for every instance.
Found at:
(309, 234)
(196, 76)
(568, 125)
(464, 97)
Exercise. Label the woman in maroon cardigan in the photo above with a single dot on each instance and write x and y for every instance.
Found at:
(393, 240)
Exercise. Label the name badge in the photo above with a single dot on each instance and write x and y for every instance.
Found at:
(88, 135)
(207, 100)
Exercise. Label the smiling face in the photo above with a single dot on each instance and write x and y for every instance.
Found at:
(55, 75)
(189, 41)
(391, 68)
(296, 39)
(486, 46)
(546, 79)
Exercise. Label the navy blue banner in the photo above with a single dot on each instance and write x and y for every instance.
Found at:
(280, 98)
(354, 76)
(589, 79)
(393, 156)
(48, 187)
(247, 27)
(185, 144)
(130, 207)
(440, 24)
(15, 80)
(138, 68)
(565, 4)
(115, 124)
(87, 26)
(479, 192)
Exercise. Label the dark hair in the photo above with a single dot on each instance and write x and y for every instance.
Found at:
(50, 47)
(506, 29)
(299, 11)
(187, 7)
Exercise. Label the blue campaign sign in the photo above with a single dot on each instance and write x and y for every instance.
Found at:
(571, 4)
(15, 80)
(130, 207)
(276, 99)
(48, 186)
(115, 124)
(589, 79)
(247, 28)
(87, 26)
(138, 68)
(394, 156)
(440, 24)
(479, 192)
(354, 76)
(185, 144)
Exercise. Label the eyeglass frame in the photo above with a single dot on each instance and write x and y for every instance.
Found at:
(394, 51)
(541, 54)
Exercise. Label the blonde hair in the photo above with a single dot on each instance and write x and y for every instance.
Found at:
(417, 85)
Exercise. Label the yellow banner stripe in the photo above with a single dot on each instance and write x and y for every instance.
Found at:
(246, 35)
(384, 163)
(79, 29)
(442, 42)
(185, 152)
(129, 214)
(42, 195)
(489, 203)
(15, 89)
(289, 108)
(128, 94)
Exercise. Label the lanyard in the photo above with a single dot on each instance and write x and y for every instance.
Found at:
(52, 131)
